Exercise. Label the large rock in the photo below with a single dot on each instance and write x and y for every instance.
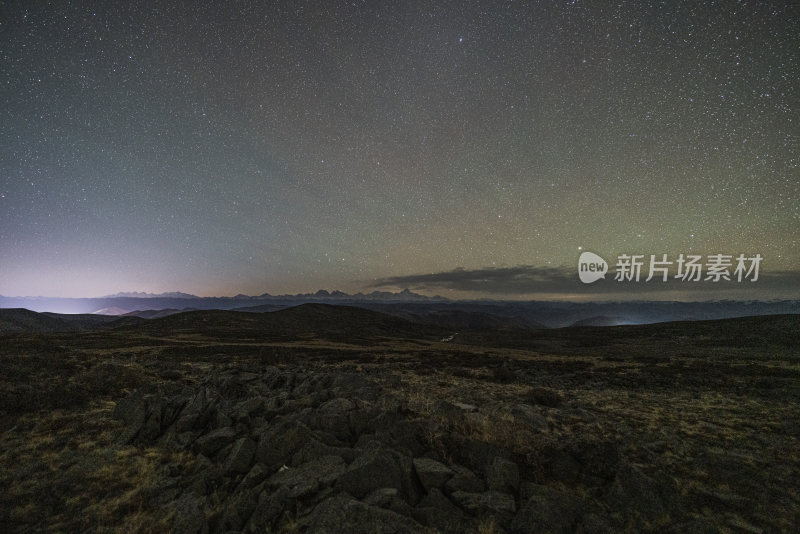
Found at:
(547, 510)
(188, 515)
(563, 466)
(268, 510)
(486, 503)
(278, 443)
(408, 437)
(450, 412)
(435, 510)
(432, 474)
(151, 429)
(375, 468)
(503, 475)
(529, 418)
(471, 451)
(314, 448)
(310, 477)
(412, 489)
(389, 498)
(253, 478)
(599, 458)
(195, 414)
(241, 456)
(237, 510)
(132, 411)
(335, 424)
(214, 440)
(249, 407)
(464, 480)
(342, 513)
(336, 406)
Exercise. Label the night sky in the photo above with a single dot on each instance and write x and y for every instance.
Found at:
(218, 148)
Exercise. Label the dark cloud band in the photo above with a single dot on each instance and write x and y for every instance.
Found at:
(532, 280)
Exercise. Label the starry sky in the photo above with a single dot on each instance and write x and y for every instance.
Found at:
(246, 147)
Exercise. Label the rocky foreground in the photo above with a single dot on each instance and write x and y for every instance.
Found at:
(648, 429)
(334, 452)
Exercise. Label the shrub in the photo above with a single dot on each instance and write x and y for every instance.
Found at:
(545, 397)
(503, 373)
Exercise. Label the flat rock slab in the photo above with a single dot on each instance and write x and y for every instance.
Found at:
(309, 477)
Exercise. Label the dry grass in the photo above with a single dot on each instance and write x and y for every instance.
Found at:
(487, 526)
(67, 472)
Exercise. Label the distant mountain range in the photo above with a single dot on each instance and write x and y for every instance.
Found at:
(123, 303)
(143, 295)
(322, 294)
(454, 314)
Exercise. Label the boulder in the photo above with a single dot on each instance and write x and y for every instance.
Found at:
(337, 406)
(447, 411)
(238, 509)
(132, 411)
(529, 418)
(486, 503)
(595, 524)
(151, 429)
(382, 497)
(308, 478)
(278, 443)
(432, 474)
(547, 510)
(464, 480)
(503, 475)
(389, 498)
(599, 458)
(188, 515)
(563, 466)
(194, 414)
(435, 510)
(375, 468)
(465, 407)
(269, 508)
(214, 440)
(436, 499)
(314, 448)
(253, 478)
(342, 513)
(246, 408)
(241, 456)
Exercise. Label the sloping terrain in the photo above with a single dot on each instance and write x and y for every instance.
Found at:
(20, 320)
(761, 336)
(15, 320)
(325, 321)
